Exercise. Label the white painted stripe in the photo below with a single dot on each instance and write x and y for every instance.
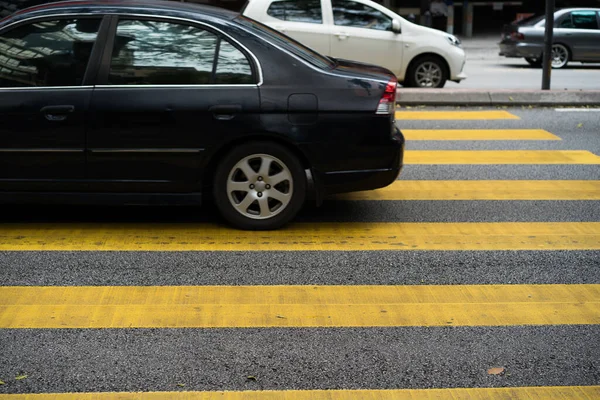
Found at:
(577, 109)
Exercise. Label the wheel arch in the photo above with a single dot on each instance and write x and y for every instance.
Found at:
(217, 154)
(569, 49)
(419, 56)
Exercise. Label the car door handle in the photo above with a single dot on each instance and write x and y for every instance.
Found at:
(225, 112)
(341, 35)
(57, 113)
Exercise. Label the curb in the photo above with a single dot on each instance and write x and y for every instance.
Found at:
(491, 97)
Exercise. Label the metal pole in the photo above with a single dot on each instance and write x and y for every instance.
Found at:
(548, 34)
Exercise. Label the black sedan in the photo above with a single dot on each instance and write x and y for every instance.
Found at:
(151, 102)
(576, 37)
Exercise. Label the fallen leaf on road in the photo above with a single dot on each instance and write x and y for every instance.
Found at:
(495, 371)
(20, 377)
(251, 378)
(2, 383)
(510, 98)
(180, 385)
(281, 316)
(580, 125)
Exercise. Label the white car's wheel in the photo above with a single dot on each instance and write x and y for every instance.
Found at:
(427, 72)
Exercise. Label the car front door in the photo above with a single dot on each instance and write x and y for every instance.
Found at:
(43, 102)
(167, 92)
(301, 20)
(580, 31)
(363, 33)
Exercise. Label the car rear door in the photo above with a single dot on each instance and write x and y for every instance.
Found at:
(363, 33)
(44, 95)
(168, 91)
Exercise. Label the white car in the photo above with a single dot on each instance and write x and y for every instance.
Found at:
(364, 31)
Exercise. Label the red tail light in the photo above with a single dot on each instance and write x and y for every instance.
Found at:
(517, 36)
(387, 104)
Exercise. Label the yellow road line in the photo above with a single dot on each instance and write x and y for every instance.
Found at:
(478, 134)
(304, 236)
(297, 306)
(481, 190)
(454, 115)
(500, 157)
(513, 393)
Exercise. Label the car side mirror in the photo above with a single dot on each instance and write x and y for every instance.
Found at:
(396, 26)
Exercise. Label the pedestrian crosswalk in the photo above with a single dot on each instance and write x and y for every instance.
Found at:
(298, 306)
(478, 134)
(72, 307)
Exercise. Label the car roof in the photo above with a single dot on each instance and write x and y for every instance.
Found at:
(579, 9)
(172, 8)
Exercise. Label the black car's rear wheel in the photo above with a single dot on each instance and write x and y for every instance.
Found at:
(536, 62)
(259, 186)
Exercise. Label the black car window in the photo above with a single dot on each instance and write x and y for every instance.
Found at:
(155, 53)
(584, 20)
(297, 11)
(350, 13)
(47, 53)
(232, 66)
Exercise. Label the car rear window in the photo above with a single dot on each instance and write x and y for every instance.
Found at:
(530, 21)
(287, 43)
(308, 11)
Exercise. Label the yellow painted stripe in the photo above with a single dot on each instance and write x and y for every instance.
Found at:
(500, 157)
(513, 393)
(478, 134)
(297, 306)
(481, 190)
(304, 236)
(455, 115)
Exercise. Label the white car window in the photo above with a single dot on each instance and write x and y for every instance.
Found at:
(297, 11)
(351, 13)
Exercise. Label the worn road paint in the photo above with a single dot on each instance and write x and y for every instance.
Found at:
(513, 393)
(481, 190)
(302, 236)
(454, 115)
(478, 134)
(471, 157)
(296, 306)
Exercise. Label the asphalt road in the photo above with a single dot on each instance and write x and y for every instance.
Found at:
(339, 357)
(488, 70)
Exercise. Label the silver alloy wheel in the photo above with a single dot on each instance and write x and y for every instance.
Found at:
(428, 74)
(260, 186)
(560, 56)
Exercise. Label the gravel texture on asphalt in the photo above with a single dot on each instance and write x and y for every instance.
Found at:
(298, 268)
(342, 358)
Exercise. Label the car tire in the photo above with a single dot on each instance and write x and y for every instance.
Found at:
(560, 55)
(427, 72)
(534, 62)
(271, 175)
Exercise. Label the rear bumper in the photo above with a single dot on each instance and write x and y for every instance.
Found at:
(328, 183)
(520, 50)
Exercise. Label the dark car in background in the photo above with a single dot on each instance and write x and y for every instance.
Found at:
(156, 102)
(576, 38)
